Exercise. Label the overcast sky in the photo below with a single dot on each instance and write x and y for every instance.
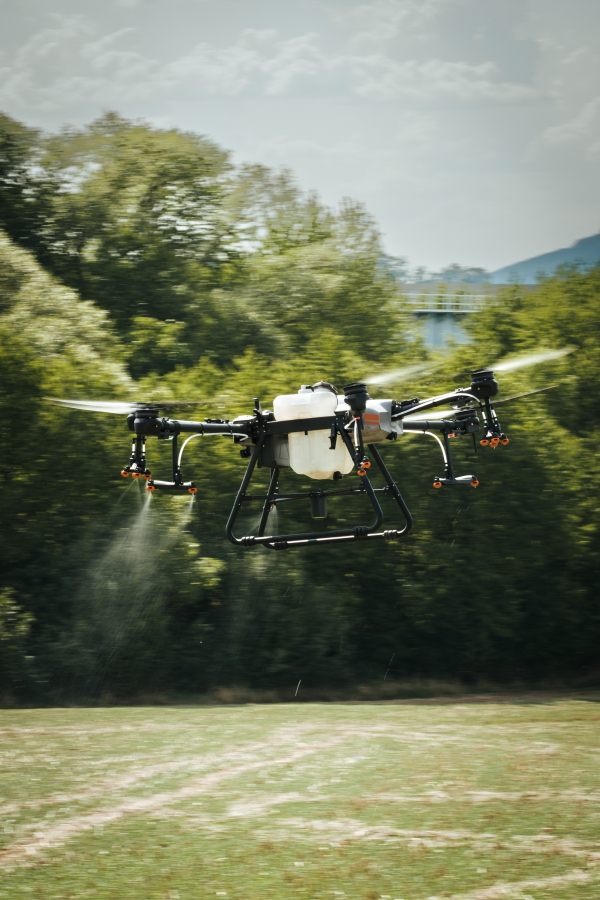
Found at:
(469, 128)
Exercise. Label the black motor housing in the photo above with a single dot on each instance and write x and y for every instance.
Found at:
(483, 384)
(356, 396)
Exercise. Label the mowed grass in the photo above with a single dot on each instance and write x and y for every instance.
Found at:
(411, 801)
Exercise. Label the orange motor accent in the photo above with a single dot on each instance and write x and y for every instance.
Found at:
(495, 441)
(193, 490)
(484, 442)
(124, 473)
(504, 442)
(437, 484)
(474, 483)
(150, 487)
(136, 475)
(366, 464)
(361, 472)
(147, 475)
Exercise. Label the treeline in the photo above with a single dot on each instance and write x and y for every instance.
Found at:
(137, 263)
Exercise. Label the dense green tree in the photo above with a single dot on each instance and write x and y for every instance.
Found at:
(22, 206)
(155, 227)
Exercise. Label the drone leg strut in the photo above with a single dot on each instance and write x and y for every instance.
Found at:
(393, 487)
(449, 461)
(176, 473)
(268, 504)
(249, 539)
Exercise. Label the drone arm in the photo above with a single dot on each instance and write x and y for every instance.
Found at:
(432, 402)
(223, 428)
(423, 426)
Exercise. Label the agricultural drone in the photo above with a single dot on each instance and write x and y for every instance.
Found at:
(322, 435)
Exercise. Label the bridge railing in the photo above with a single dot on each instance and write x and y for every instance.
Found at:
(459, 303)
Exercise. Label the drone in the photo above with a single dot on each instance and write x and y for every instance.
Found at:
(324, 435)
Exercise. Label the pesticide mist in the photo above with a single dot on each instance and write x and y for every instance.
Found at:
(122, 599)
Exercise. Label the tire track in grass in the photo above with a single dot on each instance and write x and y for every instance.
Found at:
(343, 832)
(55, 835)
(507, 890)
(131, 778)
(69, 731)
(283, 735)
(348, 830)
(477, 797)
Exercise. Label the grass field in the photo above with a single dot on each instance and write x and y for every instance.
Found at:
(412, 801)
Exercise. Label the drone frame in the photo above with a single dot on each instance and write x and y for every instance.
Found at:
(318, 498)
(259, 429)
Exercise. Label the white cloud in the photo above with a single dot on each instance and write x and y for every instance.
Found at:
(568, 70)
(387, 79)
(583, 128)
(256, 54)
(274, 66)
(385, 21)
(64, 65)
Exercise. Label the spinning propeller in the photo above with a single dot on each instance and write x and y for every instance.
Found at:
(120, 407)
(396, 376)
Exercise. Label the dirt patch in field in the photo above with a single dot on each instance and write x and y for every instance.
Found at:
(258, 805)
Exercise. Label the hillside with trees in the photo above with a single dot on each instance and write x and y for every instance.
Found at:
(138, 263)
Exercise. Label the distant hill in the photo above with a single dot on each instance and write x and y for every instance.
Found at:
(585, 251)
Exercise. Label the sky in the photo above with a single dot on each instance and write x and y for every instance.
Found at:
(470, 129)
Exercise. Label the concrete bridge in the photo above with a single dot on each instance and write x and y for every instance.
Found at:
(442, 308)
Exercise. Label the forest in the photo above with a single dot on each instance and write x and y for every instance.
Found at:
(141, 264)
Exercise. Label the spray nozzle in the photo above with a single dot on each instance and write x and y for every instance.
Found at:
(172, 487)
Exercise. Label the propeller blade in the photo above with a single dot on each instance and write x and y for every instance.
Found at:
(120, 407)
(526, 394)
(531, 359)
(116, 407)
(397, 375)
(171, 404)
(450, 413)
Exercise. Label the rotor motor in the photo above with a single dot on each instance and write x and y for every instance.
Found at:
(483, 384)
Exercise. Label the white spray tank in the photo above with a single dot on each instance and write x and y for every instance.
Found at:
(311, 453)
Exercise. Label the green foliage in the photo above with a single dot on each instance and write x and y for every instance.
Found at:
(133, 214)
(153, 225)
(15, 625)
(161, 273)
(21, 208)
